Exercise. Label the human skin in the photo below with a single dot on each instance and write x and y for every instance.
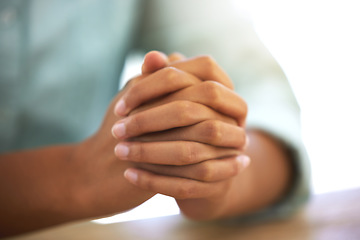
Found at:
(201, 188)
(52, 185)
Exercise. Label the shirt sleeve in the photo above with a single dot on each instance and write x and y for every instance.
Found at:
(222, 30)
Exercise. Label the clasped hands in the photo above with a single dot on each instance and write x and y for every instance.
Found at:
(183, 128)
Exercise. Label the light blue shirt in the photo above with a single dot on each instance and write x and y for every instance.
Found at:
(60, 63)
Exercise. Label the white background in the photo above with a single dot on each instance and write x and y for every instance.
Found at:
(317, 43)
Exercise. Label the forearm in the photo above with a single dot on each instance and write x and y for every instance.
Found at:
(33, 191)
(50, 186)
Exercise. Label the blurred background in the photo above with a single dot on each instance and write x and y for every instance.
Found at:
(317, 43)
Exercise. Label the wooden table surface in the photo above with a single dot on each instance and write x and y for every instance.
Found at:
(326, 217)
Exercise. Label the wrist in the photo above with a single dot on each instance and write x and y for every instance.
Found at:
(63, 192)
(77, 181)
(97, 185)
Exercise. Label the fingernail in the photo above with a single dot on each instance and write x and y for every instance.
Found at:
(121, 151)
(119, 130)
(120, 108)
(244, 161)
(131, 175)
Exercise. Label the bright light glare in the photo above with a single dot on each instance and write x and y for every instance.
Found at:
(317, 44)
(157, 206)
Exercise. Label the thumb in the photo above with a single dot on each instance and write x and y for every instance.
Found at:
(154, 61)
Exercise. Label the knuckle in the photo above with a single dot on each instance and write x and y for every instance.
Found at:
(208, 61)
(185, 191)
(134, 87)
(137, 152)
(210, 65)
(234, 168)
(243, 138)
(241, 110)
(174, 77)
(212, 92)
(242, 106)
(136, 125)
(171, 73)
(148, 184)
(245, 108)
(206, 172)
(187, 111)
(240, 137)
(211, 131)
(183, 105)
(188, 153)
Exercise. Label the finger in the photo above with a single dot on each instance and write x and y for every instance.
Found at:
(217, 97)
(162, 82)
(176, 57)
(213, 132)
(164, 117)
(171, 153)
(154, 61)
(201, 68)
(206, 171)
(179, 188)
(205, 68)
(211, 94)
